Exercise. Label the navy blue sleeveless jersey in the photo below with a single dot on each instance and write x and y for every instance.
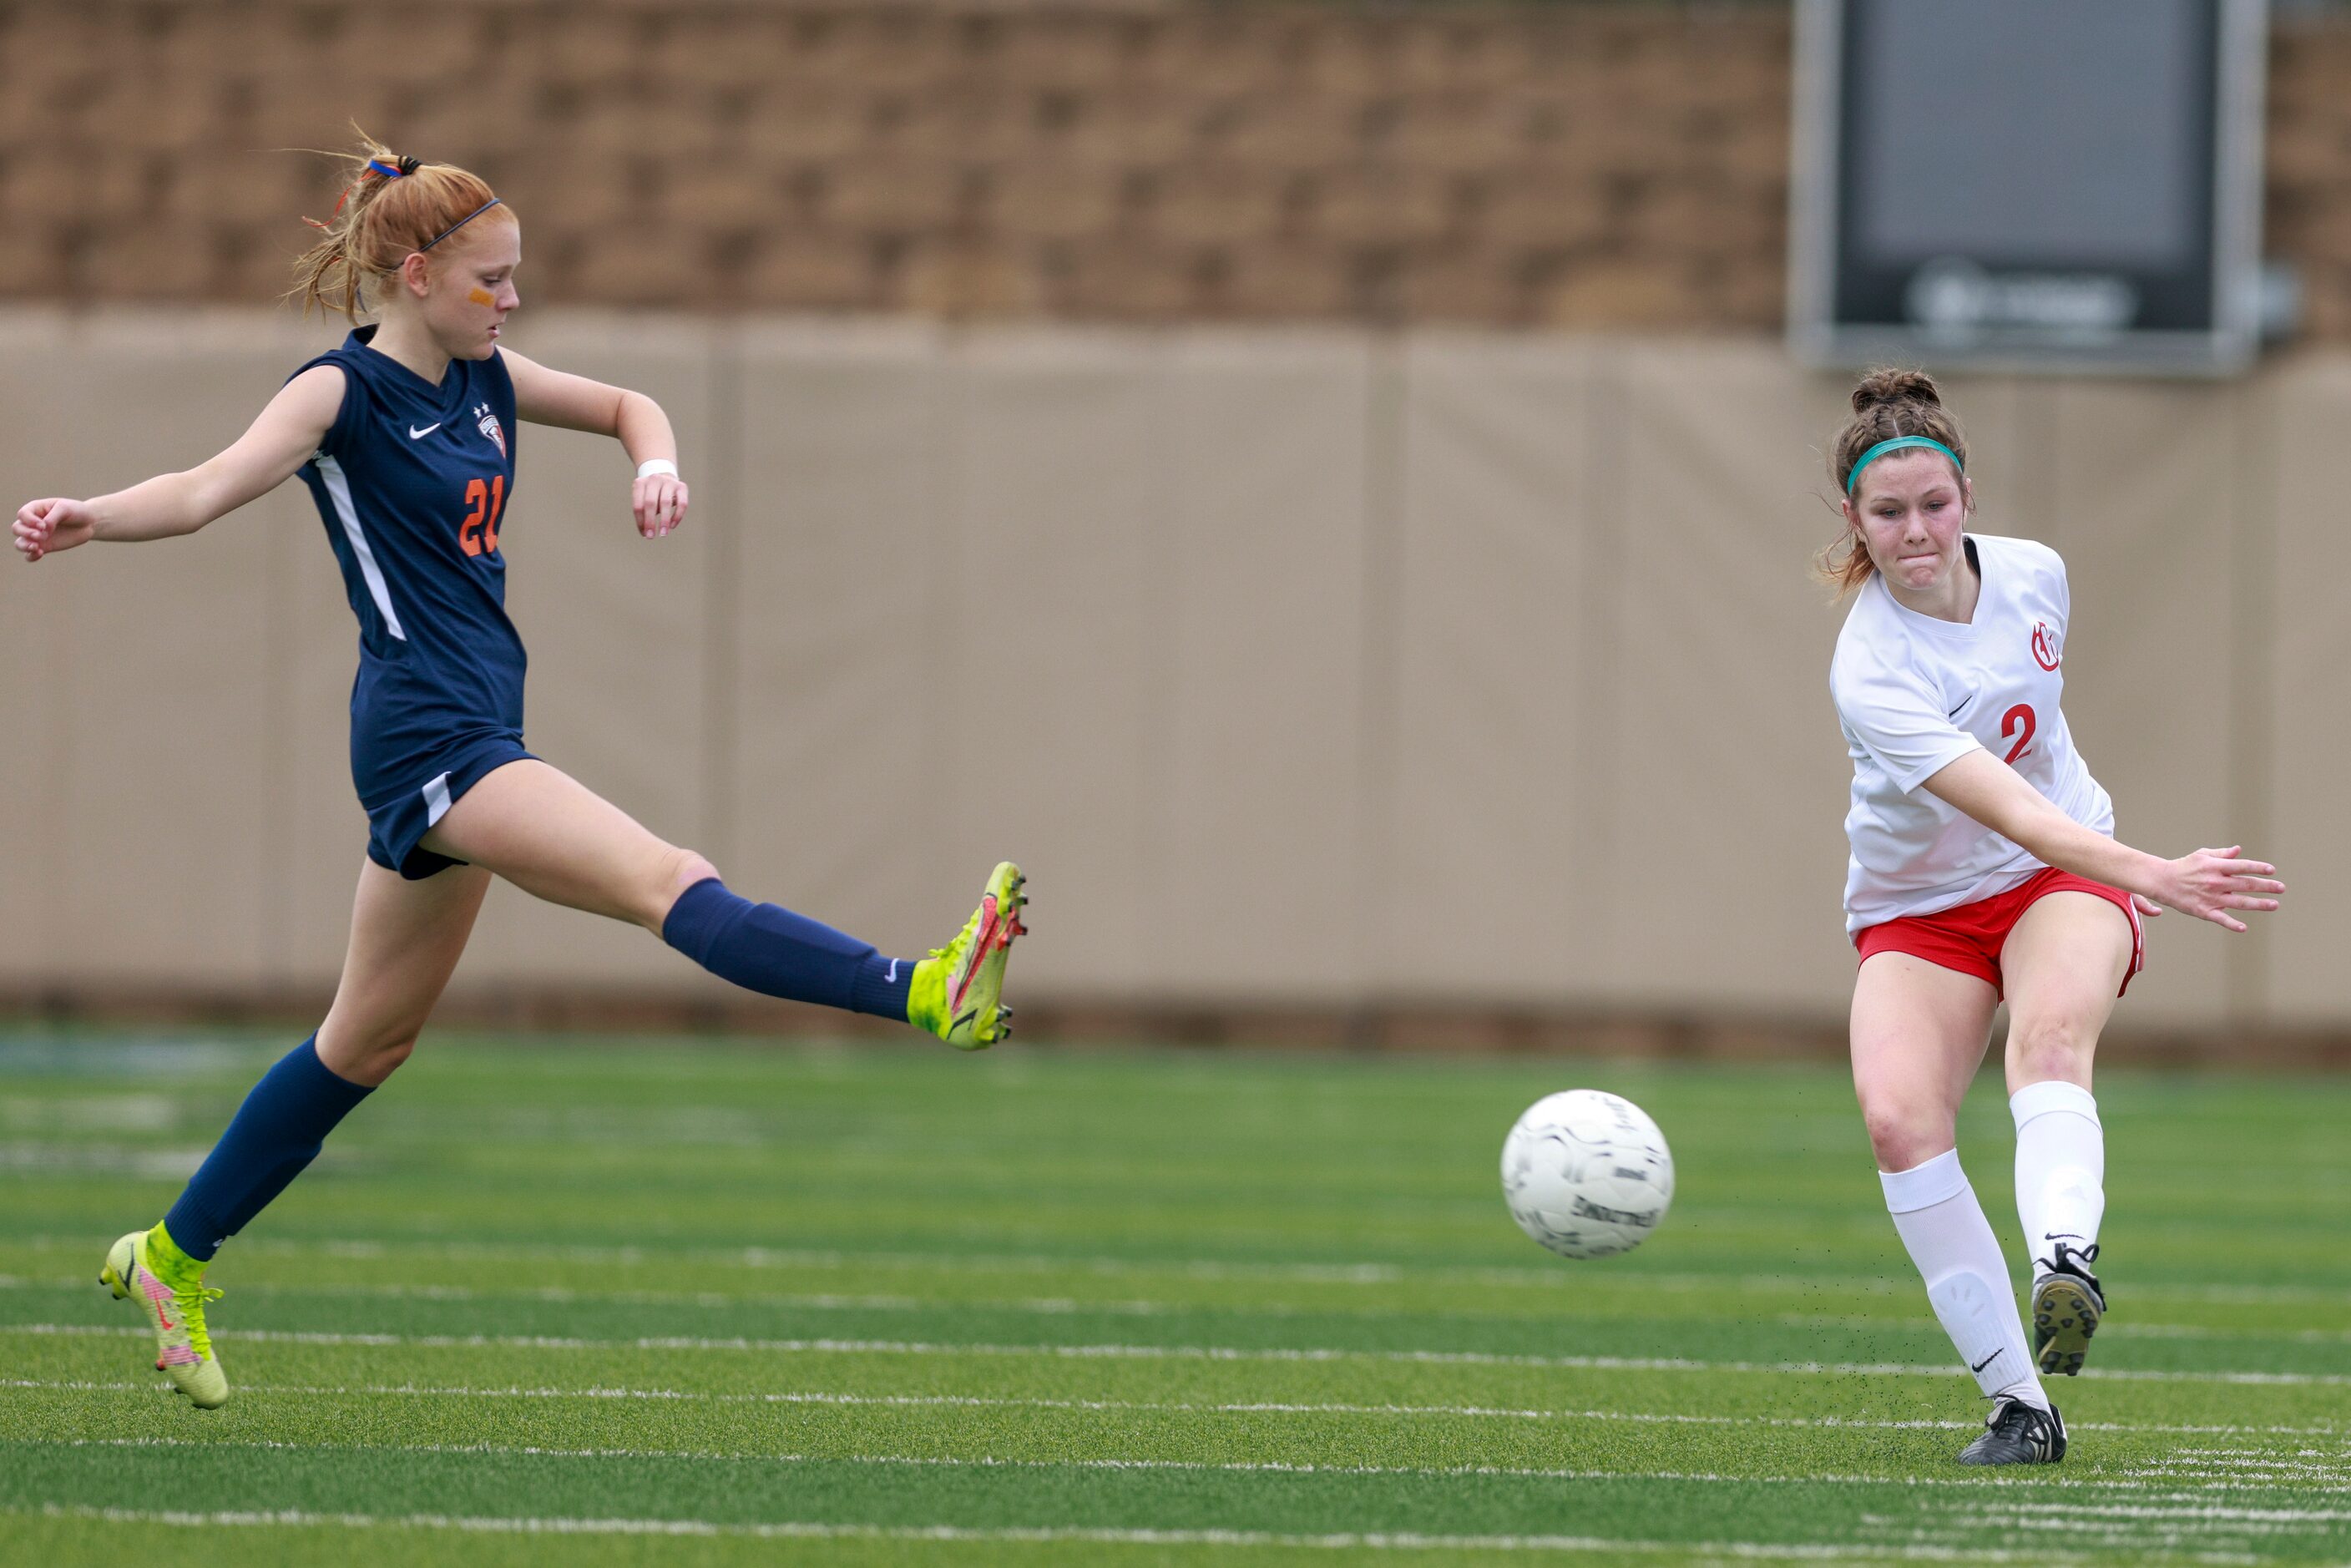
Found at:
(412, 482)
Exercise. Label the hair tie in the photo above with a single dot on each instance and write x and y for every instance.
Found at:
(1899, 443)
(460, 223)
(389, 171)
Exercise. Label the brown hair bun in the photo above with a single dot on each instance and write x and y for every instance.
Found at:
(1887, 385)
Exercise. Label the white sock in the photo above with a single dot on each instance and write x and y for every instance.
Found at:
(2061, 1168)
(1966, 1279)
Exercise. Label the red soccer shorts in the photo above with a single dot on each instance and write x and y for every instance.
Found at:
(1970, 937)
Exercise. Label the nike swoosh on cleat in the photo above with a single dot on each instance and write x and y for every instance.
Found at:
(963, 1019)
(1987, 1361)
(416, 435)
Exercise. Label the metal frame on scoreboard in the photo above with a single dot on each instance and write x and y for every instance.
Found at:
(2225, 344)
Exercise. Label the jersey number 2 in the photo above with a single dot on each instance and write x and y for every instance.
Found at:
(2017, 721)
(478, 534)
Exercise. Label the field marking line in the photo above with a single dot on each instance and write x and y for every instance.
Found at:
(1180, 1353)
(1199, 1466)
(2127, 1331)
(1254, 1407)
(1563, 1276)
(2174, 1510)
(797, 1529)
(1063, 1306)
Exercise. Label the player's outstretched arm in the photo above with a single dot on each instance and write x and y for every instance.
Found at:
(2208, 884)
(574, 402)
(280, 441)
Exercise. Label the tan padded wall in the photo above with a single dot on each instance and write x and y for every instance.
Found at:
(2301, 422)
(616, 626)
(1256, 613)
(1488, 636)
(1055, 514)
(2144, 512)
(162, 699)
(1728, 791)
(1299, 667)
(835, 604)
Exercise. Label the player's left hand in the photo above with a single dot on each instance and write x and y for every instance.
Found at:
(659, 502)
(2146, 905)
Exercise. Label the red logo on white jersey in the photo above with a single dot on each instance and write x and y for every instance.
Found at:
(2045, 652)
(488, 424)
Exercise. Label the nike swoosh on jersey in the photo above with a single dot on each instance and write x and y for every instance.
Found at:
(416, 435)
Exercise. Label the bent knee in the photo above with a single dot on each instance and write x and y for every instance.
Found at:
(370, 1060)
(679, 869)
(389, 1055)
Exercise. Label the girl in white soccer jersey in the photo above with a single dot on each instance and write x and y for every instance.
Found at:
(1984, 867)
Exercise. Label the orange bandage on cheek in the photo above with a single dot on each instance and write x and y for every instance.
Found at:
(482, 297)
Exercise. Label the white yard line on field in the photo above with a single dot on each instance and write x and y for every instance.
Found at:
(1186, 1353)
(1063, 1306)
(2123, 1331)
(2178, 1490)
(1252, 1408)
(1802, 1552)
(1559, 1277)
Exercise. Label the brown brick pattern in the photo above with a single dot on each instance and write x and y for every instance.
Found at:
(1568, 165)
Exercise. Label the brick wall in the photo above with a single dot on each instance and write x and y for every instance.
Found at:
(1572, 165)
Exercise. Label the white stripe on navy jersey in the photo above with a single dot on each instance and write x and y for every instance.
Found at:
(338, 486)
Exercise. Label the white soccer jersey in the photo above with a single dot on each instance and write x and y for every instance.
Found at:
(1915, 693)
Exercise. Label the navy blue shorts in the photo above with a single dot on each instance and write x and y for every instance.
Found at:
(395, 826)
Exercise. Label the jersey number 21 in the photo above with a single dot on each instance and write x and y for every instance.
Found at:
(478, 534)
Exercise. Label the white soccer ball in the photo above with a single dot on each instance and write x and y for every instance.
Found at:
(1587, 1174)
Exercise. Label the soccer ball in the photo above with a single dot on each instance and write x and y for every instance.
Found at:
(1587, 1174)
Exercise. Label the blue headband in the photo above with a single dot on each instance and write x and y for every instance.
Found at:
(1900, 442)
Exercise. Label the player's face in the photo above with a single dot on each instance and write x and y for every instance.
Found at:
(475, 290)
(1910, 513)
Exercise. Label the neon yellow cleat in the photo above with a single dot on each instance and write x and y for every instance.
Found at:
(958, 992)
(175, 1310)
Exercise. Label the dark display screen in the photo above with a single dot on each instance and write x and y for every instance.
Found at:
(2034, 167)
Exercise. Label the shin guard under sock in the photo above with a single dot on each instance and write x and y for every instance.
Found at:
(2061, 1168)
(274, 1135)
(771, 950)
(1952, 1243)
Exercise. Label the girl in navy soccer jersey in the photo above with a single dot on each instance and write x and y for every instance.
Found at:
(1984, 865)
(406, 437)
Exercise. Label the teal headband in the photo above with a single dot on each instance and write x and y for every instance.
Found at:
(1899, 443)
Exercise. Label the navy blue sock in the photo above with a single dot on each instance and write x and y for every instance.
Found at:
(772, 951)
(275, 1134)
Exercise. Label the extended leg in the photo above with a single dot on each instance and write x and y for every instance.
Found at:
(557, 840)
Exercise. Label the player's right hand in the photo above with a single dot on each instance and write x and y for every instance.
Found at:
(52, 524)
(2210, 882)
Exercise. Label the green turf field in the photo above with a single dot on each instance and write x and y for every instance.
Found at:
(675, 1302)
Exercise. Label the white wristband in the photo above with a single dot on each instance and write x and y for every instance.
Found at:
(653, 466)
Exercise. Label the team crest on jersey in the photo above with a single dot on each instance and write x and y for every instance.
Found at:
(489, 422)
(2045, 651)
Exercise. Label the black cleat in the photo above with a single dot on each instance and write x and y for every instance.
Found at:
(2067, 1306)
(2017, 1434)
